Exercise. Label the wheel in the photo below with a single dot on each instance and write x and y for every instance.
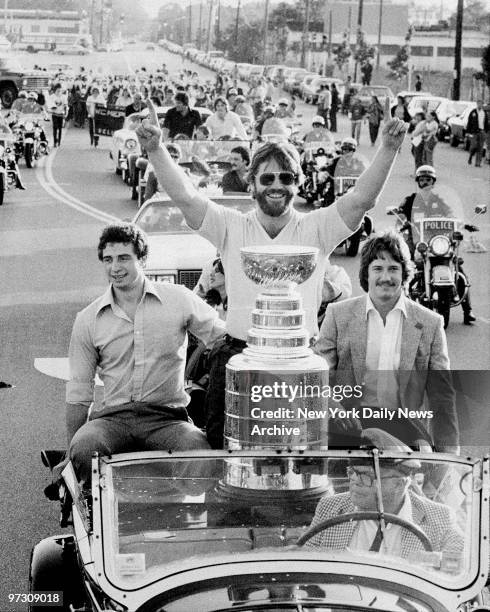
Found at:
(8, 95)
(134, 184)
(28, 155)
(351, 245)
(443, 306)
(54, 567)
(454, 141)
(365, 516)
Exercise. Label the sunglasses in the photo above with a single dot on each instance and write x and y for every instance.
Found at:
(286, 178)
(348, 149)
(367, 479)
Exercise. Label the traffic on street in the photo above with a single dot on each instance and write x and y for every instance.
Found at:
(147, 138)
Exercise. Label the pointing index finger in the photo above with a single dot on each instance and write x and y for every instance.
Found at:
(152, 113)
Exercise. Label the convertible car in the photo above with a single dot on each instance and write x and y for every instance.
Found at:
(251, 530)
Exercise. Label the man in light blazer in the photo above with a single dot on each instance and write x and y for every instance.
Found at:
(395, 348)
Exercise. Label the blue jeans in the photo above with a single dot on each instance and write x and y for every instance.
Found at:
(138, 426)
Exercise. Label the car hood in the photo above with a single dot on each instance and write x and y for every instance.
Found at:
(178, 252)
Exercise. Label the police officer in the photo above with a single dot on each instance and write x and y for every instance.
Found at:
(425, 177)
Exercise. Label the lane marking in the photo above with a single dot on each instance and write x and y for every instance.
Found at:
(44, 174)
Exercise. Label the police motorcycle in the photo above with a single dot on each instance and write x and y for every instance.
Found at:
(9, 171)
(347, 169)
(247, 529)
(434, 236)
(30, 141)
(316, 157)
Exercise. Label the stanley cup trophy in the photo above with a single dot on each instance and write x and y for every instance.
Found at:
(273, 388)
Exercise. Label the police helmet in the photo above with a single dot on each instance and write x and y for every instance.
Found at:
(427, 171)
(32, 95)
(349, 143)
(318, 119)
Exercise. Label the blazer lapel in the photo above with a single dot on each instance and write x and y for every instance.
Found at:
(358, 340)
(411, 334)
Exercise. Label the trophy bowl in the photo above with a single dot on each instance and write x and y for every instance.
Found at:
(278, 266)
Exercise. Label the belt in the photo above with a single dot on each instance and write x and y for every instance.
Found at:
(235, 342)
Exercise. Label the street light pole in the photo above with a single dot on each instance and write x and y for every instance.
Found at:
(236, 28)
(306, 39)
(359, 27)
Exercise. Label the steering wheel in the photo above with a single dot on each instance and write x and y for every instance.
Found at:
(366, 516)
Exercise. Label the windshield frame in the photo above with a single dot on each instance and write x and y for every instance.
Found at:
(104, 525)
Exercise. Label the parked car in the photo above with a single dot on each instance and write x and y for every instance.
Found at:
(407, 94)
(382, 92)
(457, 127)
(275, 73)
(267, 529)
(305, 83)
(447, 110)
(425, 103)
(73, 50)
(293, 80)
(256, 73)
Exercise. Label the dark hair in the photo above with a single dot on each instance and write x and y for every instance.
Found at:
(391, 243)
(221, 100)
(125, 233)
(204, 129)
(182, 97)
(420, 114)
(175, 149)
(242, 151)
(284, 153)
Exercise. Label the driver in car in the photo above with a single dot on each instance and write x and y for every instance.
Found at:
(401, 497)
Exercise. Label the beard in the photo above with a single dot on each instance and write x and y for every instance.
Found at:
(273, 209)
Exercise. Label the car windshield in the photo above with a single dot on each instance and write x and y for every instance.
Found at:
(160, 217)
(162, 514)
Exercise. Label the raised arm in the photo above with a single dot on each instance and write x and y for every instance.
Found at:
(170, 175)
(354, 204)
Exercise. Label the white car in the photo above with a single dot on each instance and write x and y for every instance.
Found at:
(176, 253)
(457, 126)
(125, 141)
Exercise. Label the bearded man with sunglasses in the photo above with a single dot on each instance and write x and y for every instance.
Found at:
(274, 176)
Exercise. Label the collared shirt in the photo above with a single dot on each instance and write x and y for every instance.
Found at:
(383, 354)
(141, 360)
(391, 544)
(481, 119)
(231, 125)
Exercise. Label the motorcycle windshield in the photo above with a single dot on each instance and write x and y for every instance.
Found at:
(440, 212)
(162, 515)
(348, 169)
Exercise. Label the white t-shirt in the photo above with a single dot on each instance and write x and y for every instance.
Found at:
(231, 126)
(229, 230)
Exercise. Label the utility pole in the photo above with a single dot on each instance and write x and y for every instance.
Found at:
(266, 31)
(210, 25)
(218, 33)
(189, 28)
(359, 27)
(306, 35)
(457, 51)
(380, 26)
(236, 28)
(199, 44)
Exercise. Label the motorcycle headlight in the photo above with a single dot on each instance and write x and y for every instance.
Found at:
(29, 126)
(162, 278)
(440, 245)
(131, 143)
